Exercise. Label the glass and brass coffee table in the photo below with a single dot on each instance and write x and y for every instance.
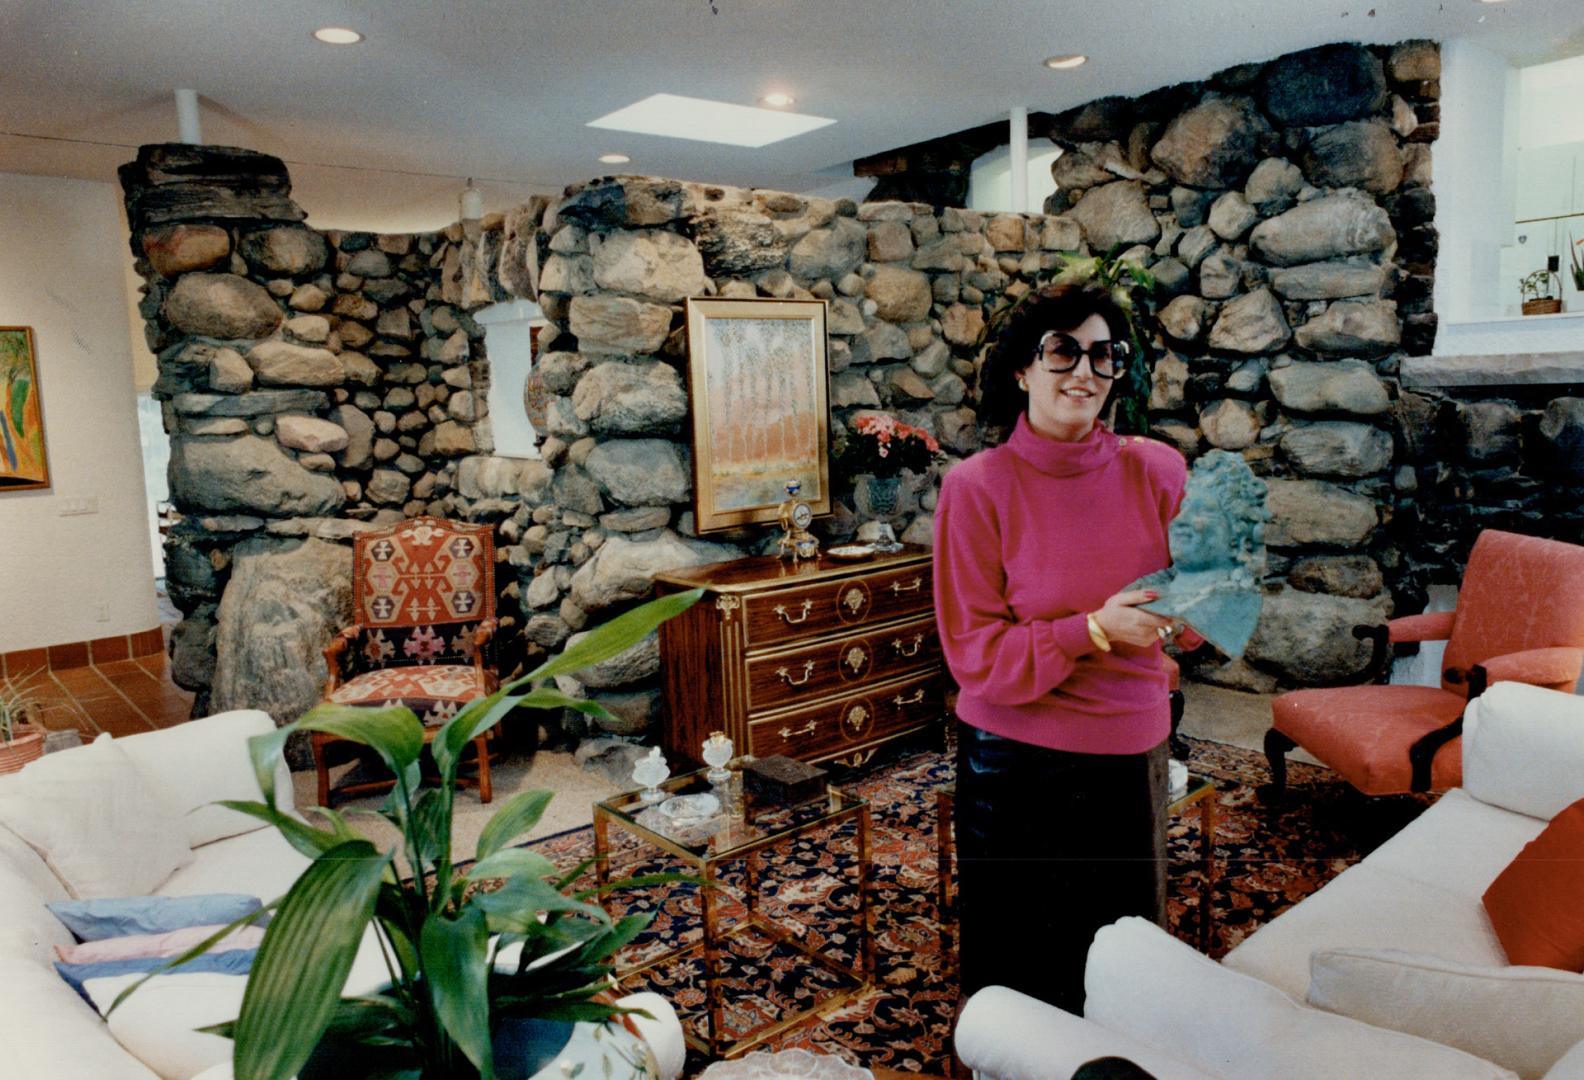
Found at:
(705, 842)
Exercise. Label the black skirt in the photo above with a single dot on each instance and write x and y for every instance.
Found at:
(1051, 846)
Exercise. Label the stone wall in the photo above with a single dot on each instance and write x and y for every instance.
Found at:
(1286, 211)
(312, 383)
(611, 264)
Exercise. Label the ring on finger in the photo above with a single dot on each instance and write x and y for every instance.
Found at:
(1163, 632)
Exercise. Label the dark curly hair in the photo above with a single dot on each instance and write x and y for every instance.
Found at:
(1053, 307)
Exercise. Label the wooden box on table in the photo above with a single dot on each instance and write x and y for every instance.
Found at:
(820, 661)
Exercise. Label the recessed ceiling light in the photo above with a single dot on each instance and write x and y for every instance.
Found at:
(1065, 61)
(615, 159)
(680, 117)
(778, 100)
(337, 35)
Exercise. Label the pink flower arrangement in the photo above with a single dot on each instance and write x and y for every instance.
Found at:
(882, 445)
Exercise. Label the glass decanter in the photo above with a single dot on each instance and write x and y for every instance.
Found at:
(651, 771)
(718, 751)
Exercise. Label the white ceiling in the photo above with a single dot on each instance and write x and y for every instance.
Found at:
(379, 135)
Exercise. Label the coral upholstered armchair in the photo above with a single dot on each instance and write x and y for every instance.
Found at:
(423, 597)
(1519, 618)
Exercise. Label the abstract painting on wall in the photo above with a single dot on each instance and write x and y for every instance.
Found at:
(760, 400)
(23, 465)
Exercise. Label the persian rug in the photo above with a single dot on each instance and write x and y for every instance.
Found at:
(1268, 859)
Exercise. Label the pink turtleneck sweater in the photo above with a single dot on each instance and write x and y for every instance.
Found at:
(1029, 536)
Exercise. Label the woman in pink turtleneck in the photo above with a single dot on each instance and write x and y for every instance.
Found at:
(1061, 769)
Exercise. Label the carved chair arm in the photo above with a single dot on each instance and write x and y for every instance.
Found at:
(482, 635)
(1379, 637)
(332, 654)
(1421, 755)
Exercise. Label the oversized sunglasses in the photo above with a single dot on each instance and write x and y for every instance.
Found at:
(1061, 352)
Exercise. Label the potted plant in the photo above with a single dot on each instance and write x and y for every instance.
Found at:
(1542, 291)
(454, 1007)
(20, 741)
(880, 446)
(1577, 267)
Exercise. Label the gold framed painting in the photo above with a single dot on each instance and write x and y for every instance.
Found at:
(23, 462)
(760, 396)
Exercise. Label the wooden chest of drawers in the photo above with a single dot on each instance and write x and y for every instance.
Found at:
(820, 661)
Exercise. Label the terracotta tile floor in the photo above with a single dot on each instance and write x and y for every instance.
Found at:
(122, 697)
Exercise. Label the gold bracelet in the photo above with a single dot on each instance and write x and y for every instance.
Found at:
(1097, 633)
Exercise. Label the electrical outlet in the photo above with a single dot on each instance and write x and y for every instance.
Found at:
(74, 507)
(102, 611)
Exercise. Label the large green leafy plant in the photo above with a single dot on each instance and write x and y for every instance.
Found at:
(439, 931)
(1133, 289)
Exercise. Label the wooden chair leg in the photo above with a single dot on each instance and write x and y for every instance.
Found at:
(1276, 747)
(485, 791)
(317, 742)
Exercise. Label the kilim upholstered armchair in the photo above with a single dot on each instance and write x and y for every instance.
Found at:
(423, 601)
(1519, 618)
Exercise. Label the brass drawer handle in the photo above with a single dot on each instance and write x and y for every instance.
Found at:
(918, 696)
(902, 650)
(806, 729)
(914, 586)
(781, 610)
(808, 669)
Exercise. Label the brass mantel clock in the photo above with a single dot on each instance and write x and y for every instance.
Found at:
(795, 516)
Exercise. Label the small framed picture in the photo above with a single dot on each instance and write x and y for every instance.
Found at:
(760, 397)
(24, 464)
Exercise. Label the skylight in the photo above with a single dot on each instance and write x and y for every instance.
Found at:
(680, 117)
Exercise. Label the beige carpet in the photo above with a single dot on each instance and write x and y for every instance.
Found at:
(1224, 716)
(1232, 717)
(576, 791)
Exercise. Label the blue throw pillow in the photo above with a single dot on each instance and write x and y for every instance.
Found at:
(95, 920)
(231, 962)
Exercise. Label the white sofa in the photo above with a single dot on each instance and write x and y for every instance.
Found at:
(47, 1032)
(1400, 941)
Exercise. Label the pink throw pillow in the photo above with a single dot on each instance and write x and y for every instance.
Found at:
(171, 943)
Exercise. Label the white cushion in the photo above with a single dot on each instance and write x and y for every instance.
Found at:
(1011, 1036)
(203, 761)
(158, 1023)
(1460, 844)
(47, 1032)
(1366, 908)
(1146, 984)
(259, 863)
(1523, 749)
(1525, 1018)
(94, 818)
(1570, 1066)
(27, 929)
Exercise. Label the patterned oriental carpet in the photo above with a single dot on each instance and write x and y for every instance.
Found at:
(1268, 859)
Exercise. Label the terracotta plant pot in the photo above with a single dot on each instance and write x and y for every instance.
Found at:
(1550, 306)
(27, 744)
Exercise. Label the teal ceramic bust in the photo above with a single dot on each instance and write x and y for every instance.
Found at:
(1217, 545)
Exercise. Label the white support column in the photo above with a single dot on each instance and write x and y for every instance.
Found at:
(187, 123)
(1017, 124)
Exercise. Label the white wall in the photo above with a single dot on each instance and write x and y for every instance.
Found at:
(61, 272)
(1472, 164)
(990, 179)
